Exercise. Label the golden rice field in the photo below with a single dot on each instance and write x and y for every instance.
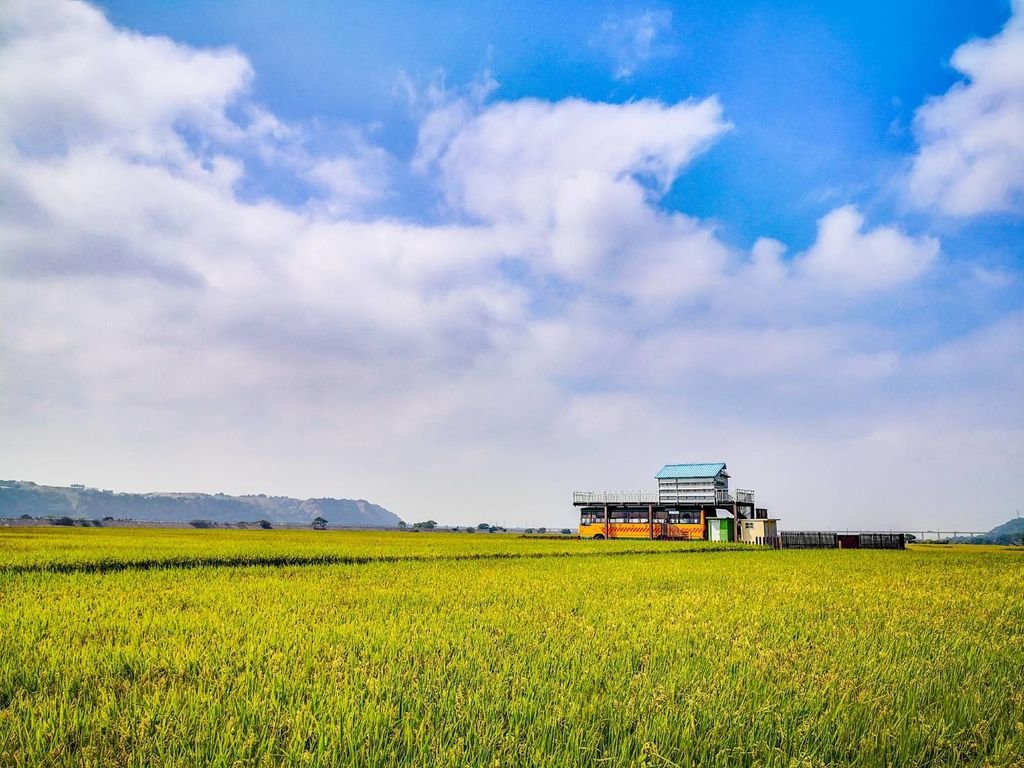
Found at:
(450, 650)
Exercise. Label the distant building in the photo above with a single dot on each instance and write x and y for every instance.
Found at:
(693, 501)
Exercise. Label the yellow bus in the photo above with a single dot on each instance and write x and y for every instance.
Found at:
(641, 521)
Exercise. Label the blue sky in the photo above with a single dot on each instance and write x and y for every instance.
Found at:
(821, 94)
(450, 239)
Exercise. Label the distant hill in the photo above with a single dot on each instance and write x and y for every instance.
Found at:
(1010, 532)
(19, 498)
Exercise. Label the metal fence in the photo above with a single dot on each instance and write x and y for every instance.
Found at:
(883, 541)
(807, 540)
(833, 540)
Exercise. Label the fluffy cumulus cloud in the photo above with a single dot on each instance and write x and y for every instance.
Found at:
(535, 148)
(846, 258)
(168, 320)
(573, 182)
(971, 159)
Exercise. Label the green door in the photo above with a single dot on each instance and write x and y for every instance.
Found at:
(717, 530)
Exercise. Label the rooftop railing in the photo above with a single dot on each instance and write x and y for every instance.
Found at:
(615, 497)
(742, 496)
(652, 497)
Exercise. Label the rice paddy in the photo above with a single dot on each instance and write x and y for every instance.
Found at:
(141, 647)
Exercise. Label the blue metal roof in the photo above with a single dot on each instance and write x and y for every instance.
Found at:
(690, 470)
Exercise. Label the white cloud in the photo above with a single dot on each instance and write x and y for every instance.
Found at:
(71, 83)
(443, 111)
(68, 79)
(846, 259)
(509, 163)
(632, 41)
(161, 329)
(352, 181)
(574, 184)
(971, 159)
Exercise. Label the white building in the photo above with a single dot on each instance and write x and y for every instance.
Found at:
(693, 483)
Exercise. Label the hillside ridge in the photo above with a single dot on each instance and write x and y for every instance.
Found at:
(1010, 532)
(18, 498)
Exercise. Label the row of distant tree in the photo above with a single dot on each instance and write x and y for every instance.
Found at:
(98, 522)
(429, 525)
(320, 524)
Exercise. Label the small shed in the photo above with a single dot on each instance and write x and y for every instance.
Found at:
(761, 530)
(720, 529)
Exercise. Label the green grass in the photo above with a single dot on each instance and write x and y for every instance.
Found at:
(705, 657)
